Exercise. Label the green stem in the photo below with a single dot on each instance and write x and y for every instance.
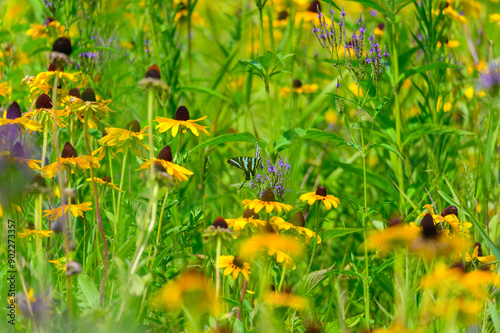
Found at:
(217, 277)
(120, 195)
(269, 121)
(261, 29)
(315, 240)
(159, 227)
(150, 131)
(280, 287)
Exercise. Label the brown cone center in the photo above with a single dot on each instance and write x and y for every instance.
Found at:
(220, 223)
(43, 102)
(68, 151)
(321, 191)
(182, 113)
(165, 154)
(268, 195)
(133, 126)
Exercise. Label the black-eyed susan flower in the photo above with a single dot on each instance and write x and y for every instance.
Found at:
(18, 156)
(191, 285)
(88, 104)
(43, 112)
(285, 299)
(281, 246)
(249, 218)
(395, 327)
(329, 200)
(181, 120)
(299, 88)
(122, 138)
(47, 78)
(164, 162)
(28, 232)
(37, 31)
(106, 180)
(449, 216)
(268, 201)
(76, 210)
(5, 90)
(70, 161)
(234, 265)
(14, 116)
(477, 256)
(61, 49)
(397, 235)
(152, 79)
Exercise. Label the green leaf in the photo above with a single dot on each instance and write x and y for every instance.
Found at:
(312, 280)
(339, 232)
(88, 296)
(93, 48)
(419, 131)
(202, 89)
(388, 147)
(319, 135)
(224, 138)
(494, 316)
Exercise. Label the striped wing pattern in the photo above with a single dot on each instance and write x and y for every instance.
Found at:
(248, 164)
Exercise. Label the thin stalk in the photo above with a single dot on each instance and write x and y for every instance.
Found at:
(97, 210)
(315, 240)
(261, 29)
(217, 276)
(280, 287)
(269, 121)
(120, 195)
(150, 131)
(243, 290)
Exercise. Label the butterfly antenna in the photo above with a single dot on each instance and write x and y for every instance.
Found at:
(242, 184)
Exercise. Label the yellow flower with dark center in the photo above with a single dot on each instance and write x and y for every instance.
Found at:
(126, 137)
(164, 163)
(249, 218)
(234, 265)
(268, 201)
(42, 30)
(181, 120)
(14, 116)
(18, 156)
(451, 13)
(321, 194)
(43, 112)
(28, 232)
(449, 216)
(106, 180)
(190, 287)
(286, 299)
(76, 210)
(477, 255)
(5, 90)
(70, 161)
(398, 235)
(299, 88)
(47, 77)
(89, 104)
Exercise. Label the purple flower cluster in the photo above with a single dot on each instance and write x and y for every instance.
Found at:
(376, 59)
(275, 176)
(491, 79)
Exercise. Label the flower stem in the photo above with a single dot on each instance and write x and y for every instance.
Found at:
(261, 28)
(280, 287)
(217, 276)
(315, 240)
(97, 210)
(120, 195)
(243, 290)
(269, 121)
(150, 131)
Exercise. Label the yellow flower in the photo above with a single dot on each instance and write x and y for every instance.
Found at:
(181, 119)
(5, 90)
(69, 161)
(234, 265)
(129, 136)
(285, 299)
(392, 237)
(14, 116)
(88, 104)
(41, 30)
(191, 286)
(76, 210)
(274, 244)
(450, 12)
(321, 194)
(60, 266)
(268, 201)
(394, 328)
(495, 18)
(105, 180)
(27, 232)
(164, 161)
(477, 254)
(299, 88)
(449, 216)
(451, 44)
(249, 218)
(44, 112)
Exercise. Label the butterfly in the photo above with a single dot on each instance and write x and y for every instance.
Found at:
(248, 164)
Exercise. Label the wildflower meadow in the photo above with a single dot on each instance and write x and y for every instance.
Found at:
(250, 166)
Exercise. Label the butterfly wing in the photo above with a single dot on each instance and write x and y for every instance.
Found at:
(241, 163)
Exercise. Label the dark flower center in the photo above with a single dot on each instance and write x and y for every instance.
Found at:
(48, 20)
(296, 83)
(321, 191)
(479, 249)
(182, 113)
(220, 223)
(250, 213)
(268, 195)
(133, 126)
(238, 262)
(165, 154)
(314, 6)
(298, 219)
(107, 179)
(153, 72)
(62, 45)
(88, 95)
(43, 102)
(31, 226)
(381, 26)
(283, 15)
(68, 151)
(14, 111)
(39, 181)
(17, 150)
(428, 228)
(104, 133)
(52, 67)
(459, 266)
(450, 210)
(75, 92)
